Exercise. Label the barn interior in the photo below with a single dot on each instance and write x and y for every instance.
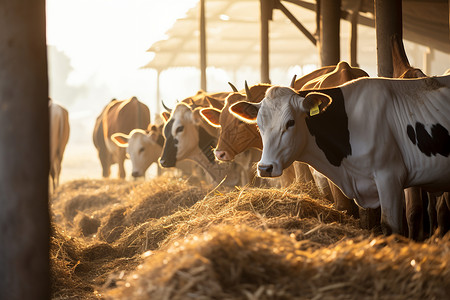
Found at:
(175, 237)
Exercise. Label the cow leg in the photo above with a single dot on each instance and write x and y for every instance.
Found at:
(342, 202)
(391, 197)
(121, 173)
(432, 213)
(105, 160)
(414, 208)
(443, 213)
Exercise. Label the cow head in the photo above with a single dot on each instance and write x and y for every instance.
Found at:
(184, 136)
(143, 148)
(236, 136)
(281, 121)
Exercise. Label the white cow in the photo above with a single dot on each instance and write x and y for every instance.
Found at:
(372, 137)
(143, 148)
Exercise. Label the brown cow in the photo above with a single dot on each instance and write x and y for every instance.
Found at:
(236, 137)
(118, 116)
(59, 136)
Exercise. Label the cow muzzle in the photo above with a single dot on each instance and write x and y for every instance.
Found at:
(166, 163)
(269, 170)
(136, 174)
(222, 155)
(265, 170)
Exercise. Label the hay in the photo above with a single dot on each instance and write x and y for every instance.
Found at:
(246, 243)
(239, 262)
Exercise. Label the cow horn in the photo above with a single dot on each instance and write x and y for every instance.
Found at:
(247, 91)
(233, 87)
(293, 81)
(165, 107)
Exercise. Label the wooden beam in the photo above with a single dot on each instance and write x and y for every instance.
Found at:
(202, 46)
(329, 32)
(296, 23)
(388, 22)
(266, 15)
(24, 152)
(354, 34)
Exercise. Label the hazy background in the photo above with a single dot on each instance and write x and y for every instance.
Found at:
(96, 49)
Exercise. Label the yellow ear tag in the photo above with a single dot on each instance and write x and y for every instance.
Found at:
(314, 110)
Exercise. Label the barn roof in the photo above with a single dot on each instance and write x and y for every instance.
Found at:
(233, 33)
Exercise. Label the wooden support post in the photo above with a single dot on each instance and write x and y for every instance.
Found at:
(203, 85)
(388, 22)
(266, 15)
(330, 11)
(354, 34)
(24, 152)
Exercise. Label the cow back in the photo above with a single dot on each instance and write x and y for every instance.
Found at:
(124, 116)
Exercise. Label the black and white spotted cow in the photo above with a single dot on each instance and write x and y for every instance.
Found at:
(372, 137)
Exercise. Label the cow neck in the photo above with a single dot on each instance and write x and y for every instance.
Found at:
(160, 140)
(215, 170)
(328, 141)
(330, 129)
(206, 143)
(205, 157)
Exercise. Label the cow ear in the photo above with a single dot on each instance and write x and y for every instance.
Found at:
(245, 111)
(120, 139)
(315, 103)
(211, 115)
(165, 116)
(215, 103)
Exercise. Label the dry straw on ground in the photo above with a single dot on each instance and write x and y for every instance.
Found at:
(167, 239)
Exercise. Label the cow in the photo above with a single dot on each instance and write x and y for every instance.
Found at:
(144, 147)
(372, 137)
(187, 136)
(416, 198)
(117, 116)
(59, 136)
(237, 136)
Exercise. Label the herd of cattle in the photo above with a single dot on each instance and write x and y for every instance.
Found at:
(377, 142)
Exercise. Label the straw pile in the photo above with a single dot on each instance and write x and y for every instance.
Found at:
(167, 239)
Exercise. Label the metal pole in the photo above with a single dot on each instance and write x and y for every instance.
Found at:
(202, 46)
(24, 152)
(330, 11)
(388, 21)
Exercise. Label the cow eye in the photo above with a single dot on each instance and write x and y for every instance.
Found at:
(179, 129)
(141, 150)
(290, 123)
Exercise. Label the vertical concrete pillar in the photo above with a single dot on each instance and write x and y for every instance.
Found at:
(24, 151)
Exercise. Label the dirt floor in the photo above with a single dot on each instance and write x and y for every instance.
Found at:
(167, 238)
